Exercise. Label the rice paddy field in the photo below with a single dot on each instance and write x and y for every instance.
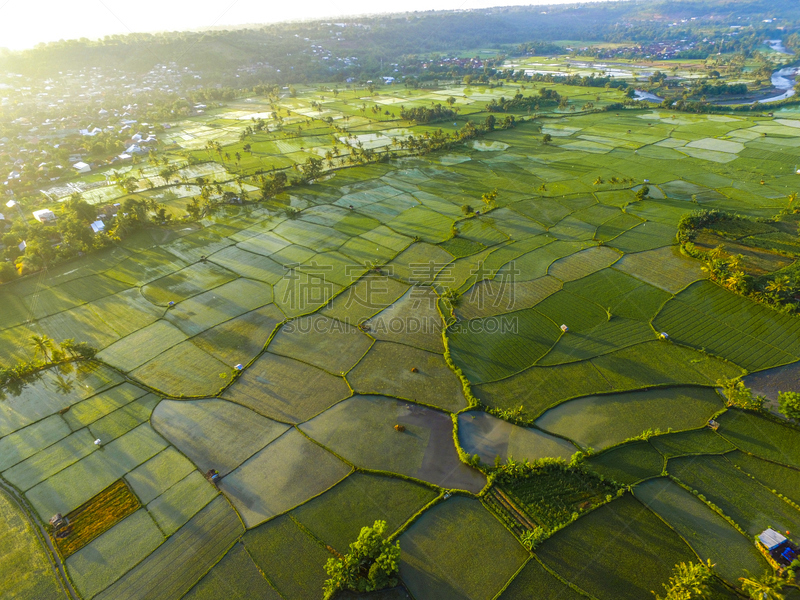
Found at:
(380, 352)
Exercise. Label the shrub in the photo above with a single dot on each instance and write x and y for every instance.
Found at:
(371, 564)
(689, 580)
(736, 394)
(789, 404)
(7, 272)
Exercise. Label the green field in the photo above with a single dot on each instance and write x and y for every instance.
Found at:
(458, 550)
(381, 343)
(25, 566)
(602, 421)
(632, 551)
(706, 532)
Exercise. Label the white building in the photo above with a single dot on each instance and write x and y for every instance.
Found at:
(44, 215)
(81, 167)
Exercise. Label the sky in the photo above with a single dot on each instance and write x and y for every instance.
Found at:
(25, 23)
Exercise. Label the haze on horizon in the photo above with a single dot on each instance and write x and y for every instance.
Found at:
(26, 23)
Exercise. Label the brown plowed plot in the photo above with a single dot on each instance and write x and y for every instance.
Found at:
(285, 389)
(97, 515)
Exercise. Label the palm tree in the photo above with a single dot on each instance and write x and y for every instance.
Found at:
(43, 345)
(736, 280)
(779, 285)
(766, 587)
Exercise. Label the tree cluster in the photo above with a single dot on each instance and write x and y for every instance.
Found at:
(371, 564)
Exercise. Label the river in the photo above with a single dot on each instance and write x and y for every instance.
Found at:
(782, 79)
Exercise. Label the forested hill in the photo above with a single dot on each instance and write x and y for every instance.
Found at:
(323, 50)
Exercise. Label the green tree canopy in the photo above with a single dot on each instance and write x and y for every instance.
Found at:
(371, 564)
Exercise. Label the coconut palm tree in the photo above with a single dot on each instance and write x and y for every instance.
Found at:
(766, 587)
(43, 345)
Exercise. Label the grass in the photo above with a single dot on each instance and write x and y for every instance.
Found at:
(491, 297)
(730, 326)
(484, 352)
(602, 421)
(143, 345)
(236, 341)
(338, 515)
(122, 420)
(51, 391)
(273, 544)
(619, 551)
(538, 388)
(249, 264)
(286, 389)
(158, 474)
(172, 509)
(628, 464)
(25, 570)
(110, 556)
(322, 342)
(534, 581)
(777, 478)
(82, 480)
(663, 268)
(623, 295)
(685, 443)
(583, 263)
(175, 566)
(206, 310)
(183, 284)
(657, 363)
(761, 436)
(458, 550)
(709, 535)
(26, 442)
(96, 516)
(90, 410)
(368, 296)
(412, 320)
(402, 371)
(51, 460)
(488, 437)
(750, 504)
(286, 473)
(184, 370)
(361, 429)
(215, 434)
(606, 337)
(235, 577)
